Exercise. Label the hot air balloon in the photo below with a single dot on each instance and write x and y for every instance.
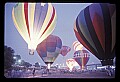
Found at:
(34, 21)
(81, 57)
(95, 28)
(64, 50)
(70, 63)
(49, 49)
(77, 45)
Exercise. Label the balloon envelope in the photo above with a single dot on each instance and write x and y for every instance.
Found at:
(64, 50)
(70, 63)
(34, 22)
(77, 46)
(82, 57)
(95, 28)
(49, 49)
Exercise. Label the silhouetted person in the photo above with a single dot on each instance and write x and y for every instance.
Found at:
(33, 72)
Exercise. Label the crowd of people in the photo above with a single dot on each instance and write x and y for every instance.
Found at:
(21, 73)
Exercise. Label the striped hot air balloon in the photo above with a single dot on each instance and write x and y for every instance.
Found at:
(34, 21)
(95, 29)
(77, 45)
(82, 57)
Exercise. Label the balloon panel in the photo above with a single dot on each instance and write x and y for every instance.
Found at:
(59, 42)
(98, 24)
(80, 21)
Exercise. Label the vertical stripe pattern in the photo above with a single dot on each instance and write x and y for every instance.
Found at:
(34, 21)
(81, 57)
(95, 28)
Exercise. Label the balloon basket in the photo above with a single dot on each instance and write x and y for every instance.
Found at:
(31, 52)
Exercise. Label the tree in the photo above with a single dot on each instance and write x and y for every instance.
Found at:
(8, 58)
(17, 57)
(37, 64)
(25, 64)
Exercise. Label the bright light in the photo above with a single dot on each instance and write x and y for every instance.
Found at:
(113, 67)
(42, 4)
(101, 67)
(14, 57)
(28, 70)
(48, 65)
(32, 47)
(19, 61)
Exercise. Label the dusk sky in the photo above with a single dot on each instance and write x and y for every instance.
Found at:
(66, 15)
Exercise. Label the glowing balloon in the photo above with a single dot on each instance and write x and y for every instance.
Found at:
(64, 50)
(70, 63)
(49, 49)
(82, 57)
(77, 46)
(34, 21)
(95, 28)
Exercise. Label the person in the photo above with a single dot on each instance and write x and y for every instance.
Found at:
(109, 71)
(33, 72)
(47, 70)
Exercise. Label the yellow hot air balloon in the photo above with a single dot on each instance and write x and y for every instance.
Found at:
(77, 45)
(70, 63)
(34, 21)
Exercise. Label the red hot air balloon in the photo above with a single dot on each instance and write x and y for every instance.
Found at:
(82, 57)
(49, 49)
(65, 50)
(95, 28)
